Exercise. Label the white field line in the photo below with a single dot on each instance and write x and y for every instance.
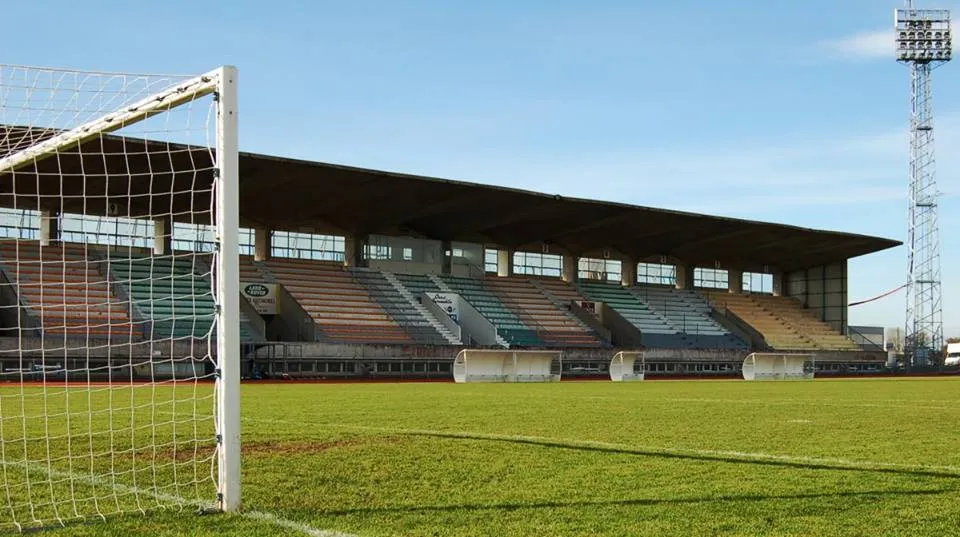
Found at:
(102, 481)
(787, 402)
(937, 404)
(948, 471)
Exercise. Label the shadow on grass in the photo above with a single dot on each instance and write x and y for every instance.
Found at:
(511, 506)
(717, 457)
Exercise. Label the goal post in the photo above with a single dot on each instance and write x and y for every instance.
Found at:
(119, 294)
(493, 365)
(627, 366)
(778, 366)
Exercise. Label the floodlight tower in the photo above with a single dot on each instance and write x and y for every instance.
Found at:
(923, 42)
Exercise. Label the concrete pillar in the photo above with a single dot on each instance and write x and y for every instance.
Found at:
(49, 227)
(684, 276)
(628, 272)
(735, 280)
(446, 261)
(777, 284)
(163, 235)
(570, 270)
(504, 263)
(353, 250)
(262, 244)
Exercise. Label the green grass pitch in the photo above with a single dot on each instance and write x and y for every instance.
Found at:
(829, 457)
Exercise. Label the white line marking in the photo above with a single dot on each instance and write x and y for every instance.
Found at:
(102, 481)
(946, 470)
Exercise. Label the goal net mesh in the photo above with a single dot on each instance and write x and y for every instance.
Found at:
(107, 294)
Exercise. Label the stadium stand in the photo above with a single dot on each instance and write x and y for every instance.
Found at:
(73, 297)
(792, 312)
(656, 330)
(559, 327)
(404, 309)
(342, 309)
(509, 325)
(169, 292)
(782, 322)
(690, 313)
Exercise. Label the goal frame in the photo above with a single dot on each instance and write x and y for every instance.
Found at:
(779, 366)
(222, 84)
(623, 366)
(496, 365)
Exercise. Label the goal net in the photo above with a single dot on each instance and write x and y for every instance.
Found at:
(119, 294)
(627, 366)
(778, 366)
(491, 365)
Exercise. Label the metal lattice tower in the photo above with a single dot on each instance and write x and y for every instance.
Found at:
(923, 42)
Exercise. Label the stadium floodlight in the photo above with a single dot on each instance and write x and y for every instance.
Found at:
(121, 385)
(923, 35)
(923, 41)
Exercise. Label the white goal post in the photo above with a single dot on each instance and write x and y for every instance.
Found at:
(778, 366)
(627, 366)
(492, 365)
(119, 294)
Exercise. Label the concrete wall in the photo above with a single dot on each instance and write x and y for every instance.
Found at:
(823, 290)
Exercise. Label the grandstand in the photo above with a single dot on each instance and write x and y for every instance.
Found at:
(393, 270)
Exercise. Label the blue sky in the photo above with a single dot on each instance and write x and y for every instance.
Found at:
(792, 112)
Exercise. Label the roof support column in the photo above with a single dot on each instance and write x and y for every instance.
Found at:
(446, 262)
(163, 235)
(505, 263)
(49, 227)
(354, 248)
(628, 272)
(262, 244)
(735, 280)
(777, 284)
(569, 271)
(684, 276)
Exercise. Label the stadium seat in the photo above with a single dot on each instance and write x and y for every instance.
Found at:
(340, 306)
(690, 313)
(65, 290)
(411, 316)
(782, 321)
(509, 326)
(556, 327)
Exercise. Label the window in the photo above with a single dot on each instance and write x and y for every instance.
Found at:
(193, 237)
(599, 269)
(490, 260)
(656, 274)
(106, 230)
(19, 224)
(407, 254)
(533, 264)
(757, 282)
(710, 278)
(308, 246)
(377, 251)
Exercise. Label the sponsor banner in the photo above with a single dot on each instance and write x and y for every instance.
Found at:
(449, 302)
(262, 296)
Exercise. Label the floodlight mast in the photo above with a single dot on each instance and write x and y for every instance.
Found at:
(923, 42)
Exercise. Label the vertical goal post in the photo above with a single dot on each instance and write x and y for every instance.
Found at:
(119, 294)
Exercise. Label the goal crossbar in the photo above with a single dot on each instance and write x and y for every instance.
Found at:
(157, 103)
